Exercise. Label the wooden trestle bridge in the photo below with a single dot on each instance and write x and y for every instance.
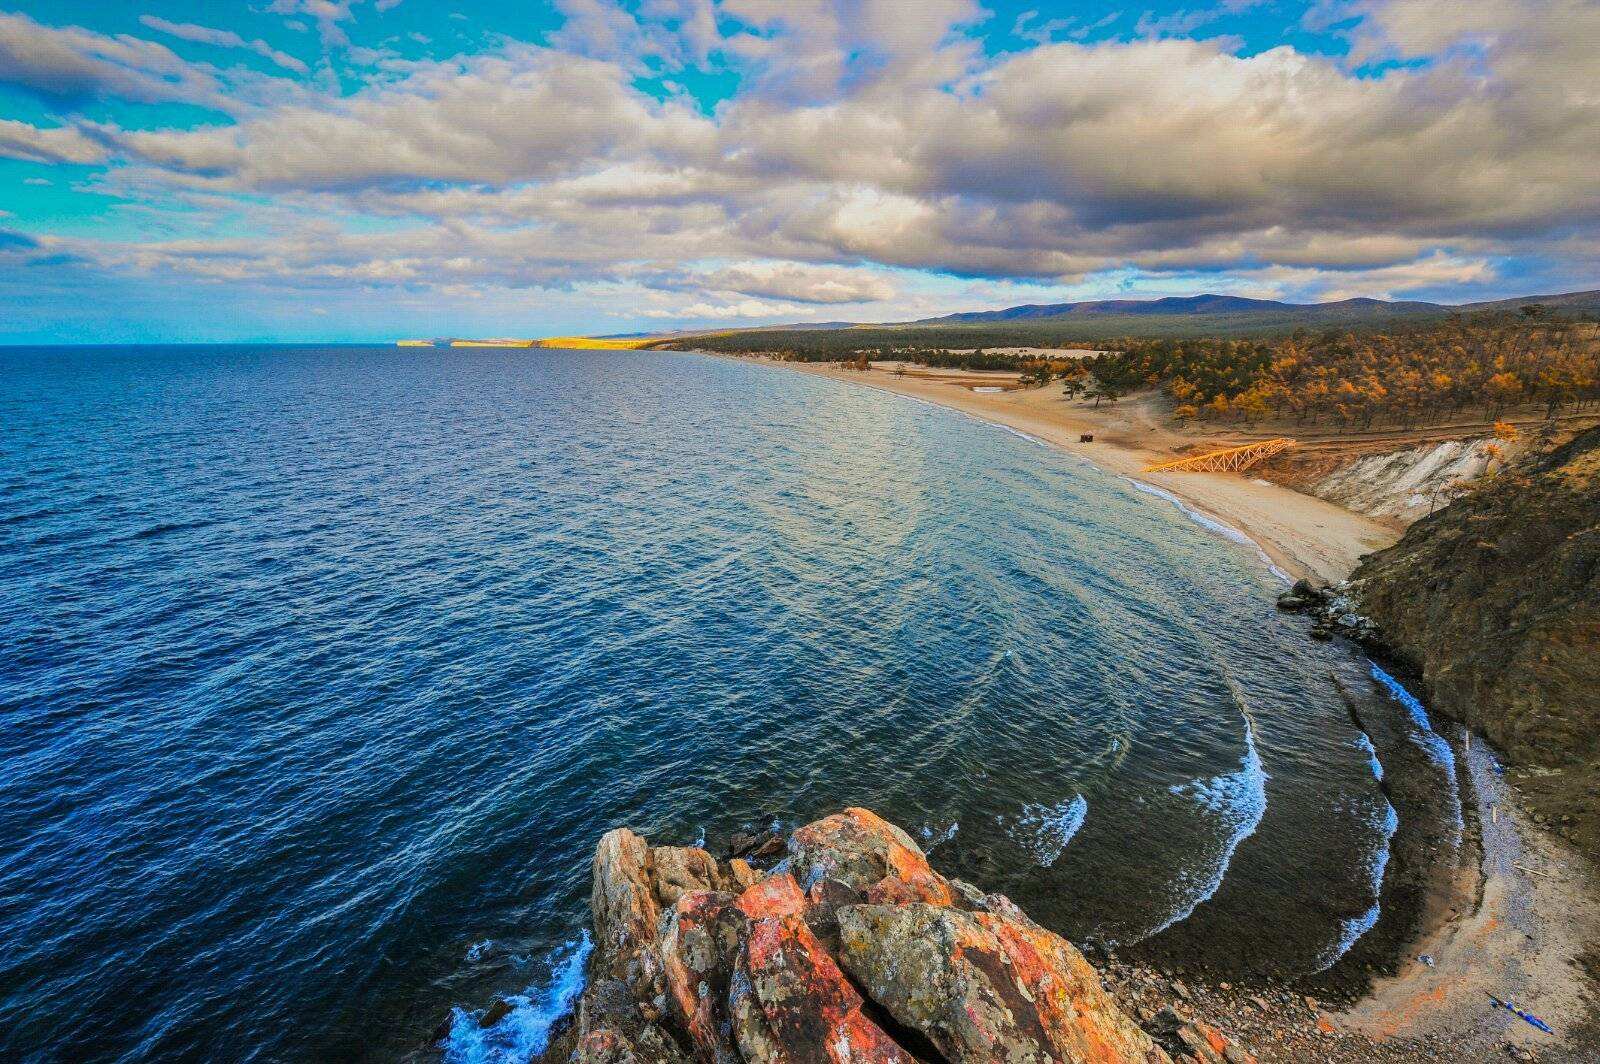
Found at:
(1228, 460)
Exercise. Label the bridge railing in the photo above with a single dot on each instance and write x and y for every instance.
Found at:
(1227, 460)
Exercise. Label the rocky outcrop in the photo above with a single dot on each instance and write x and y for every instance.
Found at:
(850, 948)
(1494, 602)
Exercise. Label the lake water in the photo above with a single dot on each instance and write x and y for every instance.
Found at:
(323, 668)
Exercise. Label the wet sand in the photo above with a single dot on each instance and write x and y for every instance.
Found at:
(1518, 920)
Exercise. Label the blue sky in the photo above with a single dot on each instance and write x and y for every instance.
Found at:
(365, 169)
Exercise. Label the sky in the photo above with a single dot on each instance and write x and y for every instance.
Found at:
(252, 170)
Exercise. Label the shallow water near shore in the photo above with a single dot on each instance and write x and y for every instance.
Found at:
(322, 669)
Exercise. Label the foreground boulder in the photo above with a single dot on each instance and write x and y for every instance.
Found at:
(851, 948)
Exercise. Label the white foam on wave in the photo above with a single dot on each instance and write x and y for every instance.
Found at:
(524, 1032)
(1206, 521)
(970, 416)
(1364, 742)
(932, 838)
(1432, 743)
(1025, 435)
(1351, 930)
(1239, 800)
(1045, 830)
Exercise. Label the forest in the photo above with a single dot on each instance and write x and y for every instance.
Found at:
(1403, 377)
(878, 342)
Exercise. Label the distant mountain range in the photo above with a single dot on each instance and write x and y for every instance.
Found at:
(1174, 317)
(1238, 310)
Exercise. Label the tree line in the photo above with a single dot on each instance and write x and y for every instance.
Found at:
(1404, 377)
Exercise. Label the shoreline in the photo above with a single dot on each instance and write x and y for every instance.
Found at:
(1300, 535)
(1486, 925)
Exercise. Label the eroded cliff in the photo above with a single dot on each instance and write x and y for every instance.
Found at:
(1495, 602)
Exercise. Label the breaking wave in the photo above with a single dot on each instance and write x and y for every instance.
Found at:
(1045, 830)
(1351, 930)
(1432, 743)
(1206, 521)
(524, 1032)
(933, 838)
(1364, 741)
(1239, 801)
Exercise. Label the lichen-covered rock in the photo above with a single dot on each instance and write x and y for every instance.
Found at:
(867, 854)
(700, 943)
(985, 987)
(676, 870)
(741, 876)
(626, 913)
(1081, 1020)
(611, 1030)
(712, 961)
(777, 895)
(806, 1010)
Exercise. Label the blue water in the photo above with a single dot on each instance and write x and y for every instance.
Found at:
(321, 670)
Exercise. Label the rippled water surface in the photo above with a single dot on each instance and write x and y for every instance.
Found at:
(321, 670)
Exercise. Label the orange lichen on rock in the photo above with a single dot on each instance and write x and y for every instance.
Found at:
(777, 895)
(737, 966)
(868, 854)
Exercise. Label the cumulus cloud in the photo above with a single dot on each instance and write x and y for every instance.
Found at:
(525, 114)
(868, 138)
(800, 282)
(18, 140)
(70, 66)
(747, 308)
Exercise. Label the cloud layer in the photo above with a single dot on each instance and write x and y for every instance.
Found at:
(872, 149)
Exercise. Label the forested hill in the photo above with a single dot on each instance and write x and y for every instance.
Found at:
(1267, 312)
(1206, 306)
(1105, 321)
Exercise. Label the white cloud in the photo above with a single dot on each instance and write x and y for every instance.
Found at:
(71, 65)
(800, 282)
(747, 308)
(869, 140)
(521, 115)
(188, 31)
(18, 140)
(327, 14)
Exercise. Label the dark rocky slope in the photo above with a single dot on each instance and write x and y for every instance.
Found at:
(1494, 602)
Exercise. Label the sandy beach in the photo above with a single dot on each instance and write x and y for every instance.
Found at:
(1304, 536)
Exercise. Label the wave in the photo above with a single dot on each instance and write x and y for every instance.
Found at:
(1206, 521)
(1364, 743)
(1351, 930)
(969, 416)
(524, 1032)
(1025, 435)
(933, 838)
(165, 527)
(1045, 830)
(1239, 799)
(1432, 743)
